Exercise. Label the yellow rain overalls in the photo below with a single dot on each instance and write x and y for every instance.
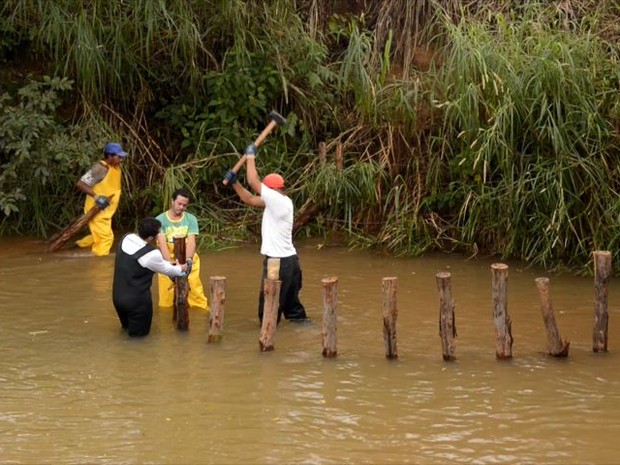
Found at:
(196, 297)
(101, 235)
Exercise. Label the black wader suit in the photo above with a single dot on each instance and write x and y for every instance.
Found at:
(131, 291)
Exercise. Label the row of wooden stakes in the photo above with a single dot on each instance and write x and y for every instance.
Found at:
(557, 347)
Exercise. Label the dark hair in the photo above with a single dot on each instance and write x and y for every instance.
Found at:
(149, 227)
(183, 193)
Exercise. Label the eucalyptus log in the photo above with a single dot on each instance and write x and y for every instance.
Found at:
(273, 269)
(217, 298)
(390, 315)
(59, 239)
(557, 347)
(602, 273)
(180, 312)
(330, 301)
(270, 314)
(501, 319)
(447, 322)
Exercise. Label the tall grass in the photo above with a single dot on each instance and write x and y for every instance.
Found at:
(480, 127)
(527, 106)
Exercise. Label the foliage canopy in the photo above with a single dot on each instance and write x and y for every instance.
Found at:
(480, 128)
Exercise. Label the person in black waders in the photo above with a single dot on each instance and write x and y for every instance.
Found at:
(136, 262)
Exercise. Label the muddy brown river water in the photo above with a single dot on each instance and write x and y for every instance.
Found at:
(75, 390)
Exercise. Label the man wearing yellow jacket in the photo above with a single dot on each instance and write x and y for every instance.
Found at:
(176, 222)
(102, 185)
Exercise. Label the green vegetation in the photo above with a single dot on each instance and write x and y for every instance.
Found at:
(489, 129)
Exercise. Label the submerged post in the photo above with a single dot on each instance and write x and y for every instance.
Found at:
(330, 300)
(217, 297)
(390, 314)
(180, 312)
(447, 322)
(501, 319)
(557, 347)
(271, 287)
(602, 272)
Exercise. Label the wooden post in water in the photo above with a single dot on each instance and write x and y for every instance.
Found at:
(390, 315)
(330, 301)
(557, 347)
(447, 322)
(217, 298)
(271, 287)
(602, 272)
(501, 319)
(180, 312)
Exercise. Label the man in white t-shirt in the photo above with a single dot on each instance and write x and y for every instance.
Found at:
(276, 235)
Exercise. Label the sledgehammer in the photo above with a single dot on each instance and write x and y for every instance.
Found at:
(275, 119)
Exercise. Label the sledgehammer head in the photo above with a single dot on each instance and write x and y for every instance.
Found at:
(277, 117)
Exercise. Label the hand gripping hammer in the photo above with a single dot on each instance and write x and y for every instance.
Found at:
(275, 119)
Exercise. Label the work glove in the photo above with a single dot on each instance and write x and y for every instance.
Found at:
(102, 201)
(231, 177)
(189, 262)
(250, 150)
(174, 278)
(183, 273)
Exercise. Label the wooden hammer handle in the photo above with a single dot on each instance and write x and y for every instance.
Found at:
(261, 137)
(238, 165)
(259, 140)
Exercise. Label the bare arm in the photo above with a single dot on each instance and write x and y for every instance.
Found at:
(247, 197)
(93, 176)
(163, 246)
(81, 185)
(190, 246)
(253, 178)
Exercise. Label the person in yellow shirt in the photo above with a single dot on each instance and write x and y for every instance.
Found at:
(176, 222)
(102, 185)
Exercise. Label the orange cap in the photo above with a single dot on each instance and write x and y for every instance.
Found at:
(274, 181)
